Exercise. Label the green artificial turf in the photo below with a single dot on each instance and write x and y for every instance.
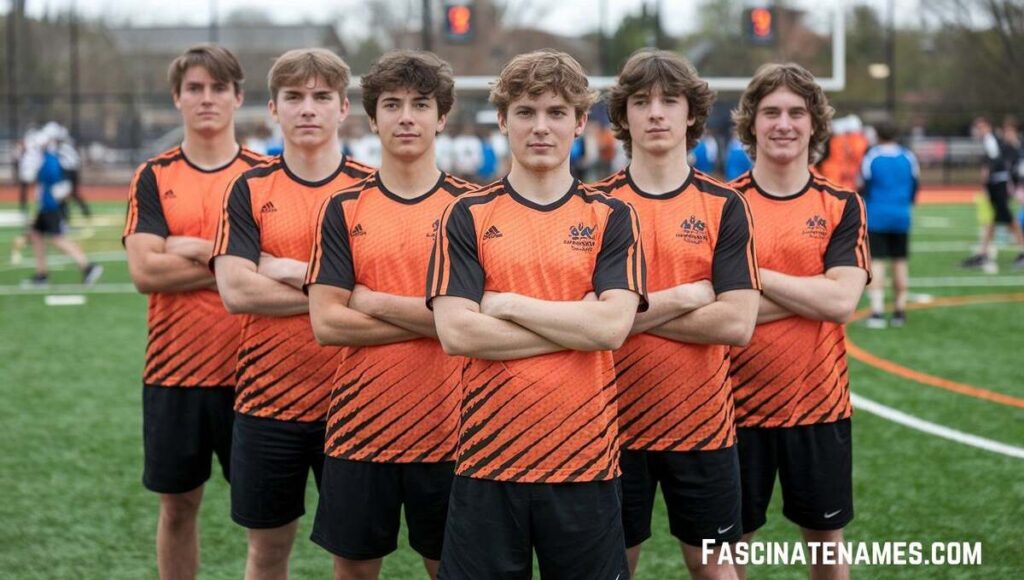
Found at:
(72, 503)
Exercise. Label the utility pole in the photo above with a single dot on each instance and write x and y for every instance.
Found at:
(12, 70)
(890, 59)
(214, 24)
(427, 37)
(602, 37)
(74, 77)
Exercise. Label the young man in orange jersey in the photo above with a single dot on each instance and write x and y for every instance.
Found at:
(535, 279)
(790, 383)
(189, 377)
(391, 428)
(261, 253)
(675, 398)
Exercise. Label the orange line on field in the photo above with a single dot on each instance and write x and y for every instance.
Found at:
(944, 194)
(930, 380)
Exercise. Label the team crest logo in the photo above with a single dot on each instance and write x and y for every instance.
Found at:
(816, 227)
(693, 230)
(581, 237)
(433, 229)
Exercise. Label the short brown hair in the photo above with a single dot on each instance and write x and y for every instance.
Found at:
(649, 68)
(420, 71)
(296, 67)
(796, 78)
(541, 71)
(221, 63)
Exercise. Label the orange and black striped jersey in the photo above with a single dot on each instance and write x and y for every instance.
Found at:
(193, 341)
(794, 370)
(548, 418)
(675, 396)
(393, 402)
(282, 372)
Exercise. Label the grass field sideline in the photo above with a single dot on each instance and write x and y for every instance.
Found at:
(71, 453)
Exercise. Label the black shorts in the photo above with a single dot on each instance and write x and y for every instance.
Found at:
(182, 427)
(887, 245)
(270, 463)
(50, 223)
(999, 196)
(494, 526)
(815, 468)
(701, 489)
(359, 514)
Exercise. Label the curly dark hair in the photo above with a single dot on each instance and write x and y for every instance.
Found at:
(796, 78)
(418, 70)
(649, 68)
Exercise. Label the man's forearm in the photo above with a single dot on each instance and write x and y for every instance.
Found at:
(716, 323)
(193, 248)
(813, 297)
(160, 272)
(481, 336)
(404, 311)
(671, 303)
(248, 292)
(588, 325)
(770, 311)
(284, 270)
(335, 324)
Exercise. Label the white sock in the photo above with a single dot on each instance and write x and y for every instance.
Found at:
(877, 297)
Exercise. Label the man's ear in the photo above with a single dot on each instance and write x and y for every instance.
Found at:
(581, 123)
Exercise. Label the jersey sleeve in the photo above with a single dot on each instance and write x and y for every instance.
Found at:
(145, 213)
(849, 245)
(734, 264)
(237, 234)
(454, 268)
(620, 263)
(331, 261)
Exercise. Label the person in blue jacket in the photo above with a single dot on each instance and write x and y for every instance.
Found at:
(890, 177)
(49, 223)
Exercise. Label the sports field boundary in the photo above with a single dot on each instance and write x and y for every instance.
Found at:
(930, 380)
(896, 416)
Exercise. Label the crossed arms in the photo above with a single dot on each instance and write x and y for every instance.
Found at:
(364, 317)
(172, 264)
(831, 297)
(507, 326)
(693, 313)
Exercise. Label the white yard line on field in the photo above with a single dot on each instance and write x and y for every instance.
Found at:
(967, 281)
(54, 289)
(57, 261)
(896, 416)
